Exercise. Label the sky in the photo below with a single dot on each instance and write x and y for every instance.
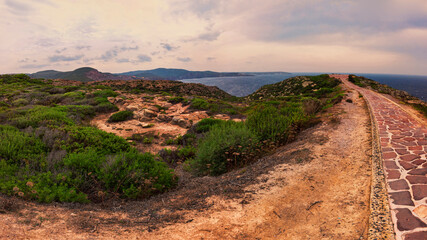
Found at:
(357, 36)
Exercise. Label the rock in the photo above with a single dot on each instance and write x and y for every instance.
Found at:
(149, 113)
(132, 107)
(200, 115)
(145, 125)
(163, 118)
(222, 117)
(167, 105)
(180, 122)
(119, 100)
(153, 108)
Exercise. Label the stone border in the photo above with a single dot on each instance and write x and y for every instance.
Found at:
(380, 223)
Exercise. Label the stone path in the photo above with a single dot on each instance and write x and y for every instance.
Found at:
(403, 142)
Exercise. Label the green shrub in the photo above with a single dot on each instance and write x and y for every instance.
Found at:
(17, 147)
(421, 108)
(103, 164)
(81, 138)
(41, 115)
(105, 93)
(206, 124)
(199, 103)
(20, 102)
(225, 146)
(175, 100)
(121, 116)
(105, 107)
(186, 152)
(270, 123)
(136, 175)
(75, 95)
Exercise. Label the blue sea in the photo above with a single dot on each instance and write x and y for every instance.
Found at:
(245, 85)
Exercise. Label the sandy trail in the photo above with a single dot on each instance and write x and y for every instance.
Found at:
(325, 198)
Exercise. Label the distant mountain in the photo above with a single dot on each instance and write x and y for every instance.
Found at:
(178, 74)
(84, 74)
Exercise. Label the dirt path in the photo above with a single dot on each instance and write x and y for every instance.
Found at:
(316, 187)
(326, 197)
(403, 138)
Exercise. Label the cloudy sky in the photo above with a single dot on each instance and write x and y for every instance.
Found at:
(360, 36)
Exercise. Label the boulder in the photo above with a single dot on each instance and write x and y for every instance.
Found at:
(153, 108)
(167, 105)
(131, 107)
(163, 118)
(180, 122)
(149, 113)
(145, 125)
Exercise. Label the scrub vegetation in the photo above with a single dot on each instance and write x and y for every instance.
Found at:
(49, 152)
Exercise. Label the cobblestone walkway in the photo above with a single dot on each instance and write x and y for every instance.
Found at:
(403, 145)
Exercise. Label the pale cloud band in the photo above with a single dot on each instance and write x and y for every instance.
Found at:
(384, 36)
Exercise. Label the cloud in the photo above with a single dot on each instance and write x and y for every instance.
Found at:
(203, 9)
(60, 50)
(185, 59)
(87, 26)
(123, 60)
(47, 42)
(209, 36)
(17, 7)
(110, 54)
(114, 52)
(81, 47)
(168, 47)
(63, 58)
(144, 58)
(122, 49)
(36, 66)
(210, 58)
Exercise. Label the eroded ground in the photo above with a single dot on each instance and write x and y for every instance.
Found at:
(316, 187)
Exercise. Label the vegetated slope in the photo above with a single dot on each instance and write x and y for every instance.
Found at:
(297, 86)
(49, 152)
(403, 96)
(84, 74)
(177, 74)
(172, 87)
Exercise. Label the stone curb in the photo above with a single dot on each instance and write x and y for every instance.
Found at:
(380, 223)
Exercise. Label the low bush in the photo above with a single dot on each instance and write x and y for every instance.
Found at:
(81, 137)
(40, 115)
(271, 123)
(199, 103)
(105, 93)
(75, 95)
(225, 146)
(175, 100)
(121, 116)
(206, 124)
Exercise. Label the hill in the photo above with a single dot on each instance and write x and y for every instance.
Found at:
(177, 74)
(84, 74)
(297, 87)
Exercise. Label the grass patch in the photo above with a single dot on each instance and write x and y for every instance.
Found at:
(121, 116)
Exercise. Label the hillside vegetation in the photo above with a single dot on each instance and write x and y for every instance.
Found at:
(49, 152)
(382, 88)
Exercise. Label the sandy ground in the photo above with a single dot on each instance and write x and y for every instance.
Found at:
(316, 187)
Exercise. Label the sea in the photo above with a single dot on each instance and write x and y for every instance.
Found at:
(245, 85)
